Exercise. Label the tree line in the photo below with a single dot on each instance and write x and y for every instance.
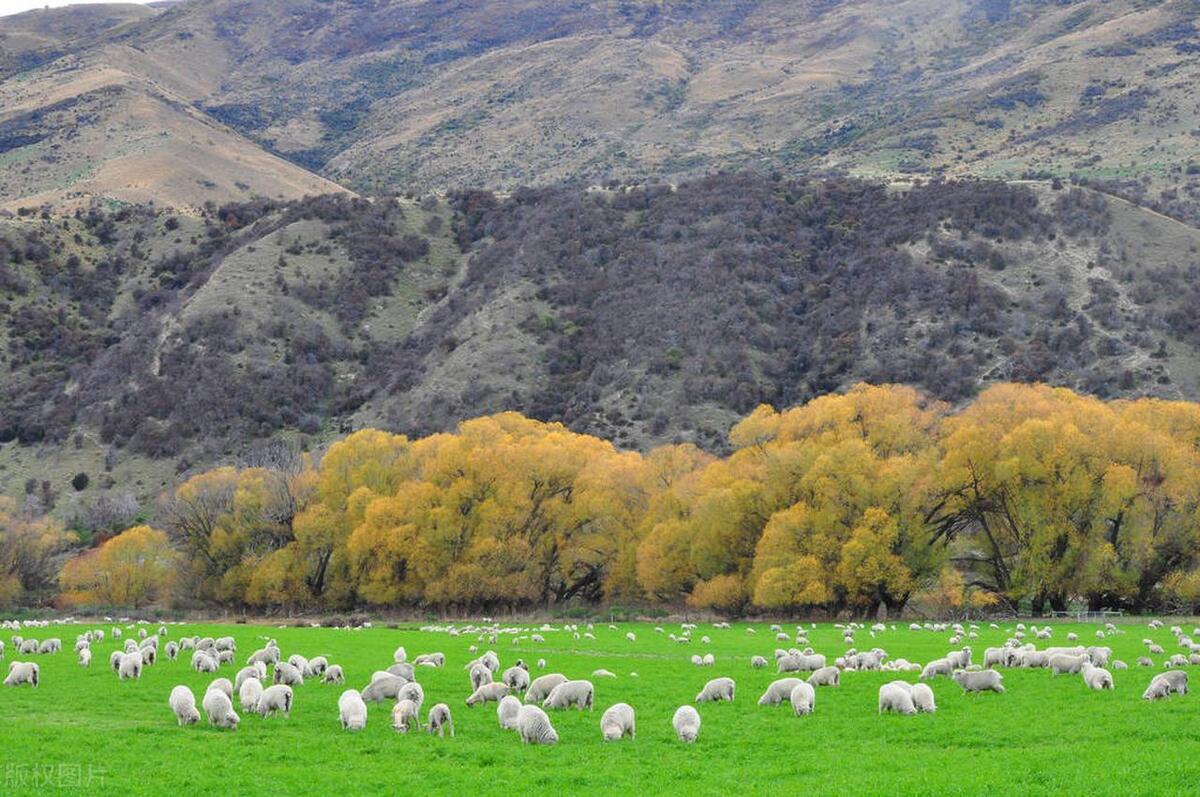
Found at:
(1027, 498)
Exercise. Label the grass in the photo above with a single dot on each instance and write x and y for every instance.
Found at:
(1044, 736)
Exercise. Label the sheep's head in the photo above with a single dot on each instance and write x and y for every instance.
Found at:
(611, 731)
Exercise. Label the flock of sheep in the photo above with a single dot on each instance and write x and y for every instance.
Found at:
(265, 684)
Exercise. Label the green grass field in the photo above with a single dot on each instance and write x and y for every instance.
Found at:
(83, 730)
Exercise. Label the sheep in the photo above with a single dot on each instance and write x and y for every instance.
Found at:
(202, 662)
(275, 699)
(778, 691)
(686, 723)
(542, 686)
(803, 698)
(85, 657)
(1117, 664)
(826, 676)
(1062, 662)
(316, 667)
(114, 661)
(516, 679)
(480, 674)
(632, 637)
(993, 657)
(1096, 677)
(960, 659)
(219, 709)
(1177, 680)
(400, 656)
(404, 670)
(53, 645)
(385, 688)
(922, 697)
(249, 693)
(487, 693)
(1157, 690)
(288, 674)
(243, 674)
(333, 675)
(1144, 661)
(979, 681)
(23, 672)
(404, 717)
(1034, 659)
(28, 647)
(716, 690)
(617, 722)
(534, 727)
(131, 666)
(412, 691)
(224, 685)
(172, 651)
(758, 662)
(439, 720)
(708, 660)
(225, 643)
(894, 697)
(935, 668)
(506, 711)
(183, 704)
(268, 655)
(571, 693)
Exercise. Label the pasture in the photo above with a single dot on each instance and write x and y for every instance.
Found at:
(84, 730)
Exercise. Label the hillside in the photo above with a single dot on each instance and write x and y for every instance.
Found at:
(140, 343)
(187, 104)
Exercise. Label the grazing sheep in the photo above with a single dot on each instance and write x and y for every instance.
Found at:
(219, 709)
(114, 660)
(937, 667)
(385, 688)
(1117, 664)
(716, 690)
(1096, 677)
(404, 717)
(400, 656)
(412, 691)
(893, 697)
(571, 693)
(131, 666)
(542, 686)
(1157, 690)
(243, 674)
(758, 662)
(487, 693)
(1144, 661)
(183, 703)
(534, 727)
(480, 674)
(617, 722)
(27, 647)
(404, 670)
(960, 659)
(172, 651)
(778, 691)
(224, 685)
(1177, 680)
(993, 657)
(506, 711)
(249, 693)
(1065, 663)
(431, 659)
(85, 657)
(267, 655)
(316, 667)
(803, 698)
(826, 676)
(23, 672)
(979, 681)
(202, 662)
(922, 697)
(53, 645)
(288, 674)
(516, 679)
(631, 636)
(333, 675)
(686, 723)
(275, 699)
(440, 719)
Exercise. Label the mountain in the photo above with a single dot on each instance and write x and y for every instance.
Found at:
(189, 103)
(139, 342)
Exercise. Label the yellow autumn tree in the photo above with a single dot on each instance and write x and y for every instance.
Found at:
(134, 569)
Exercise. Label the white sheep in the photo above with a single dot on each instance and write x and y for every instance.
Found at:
(534, 727)
(571, 693)
(979, 680)
(758, 662)
(686, 723)
(224, 685)
(431, 659)
(826, 676)
(803, 698)
(506, 711)
(412, 691)
(896, 697)
(85, 657)
(1176, 680)
(386, 687)
(618, 722)
(333, 675)
(23, 672)
(778, 691)
(922, 697)
(275, 699)
(400, 656)
(717, 690)
(219, 709)
(935, 668)
(1066, 663)
(288, 674)
(183, 703)
(249, 693)
(202, 662)
(541, 686)
(487, 693)
(131, 666)
(404, 716)
(439, 720)
(1096, 677)
(516, 679)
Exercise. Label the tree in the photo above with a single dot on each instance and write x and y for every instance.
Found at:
(133, 569)
(28, 545)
